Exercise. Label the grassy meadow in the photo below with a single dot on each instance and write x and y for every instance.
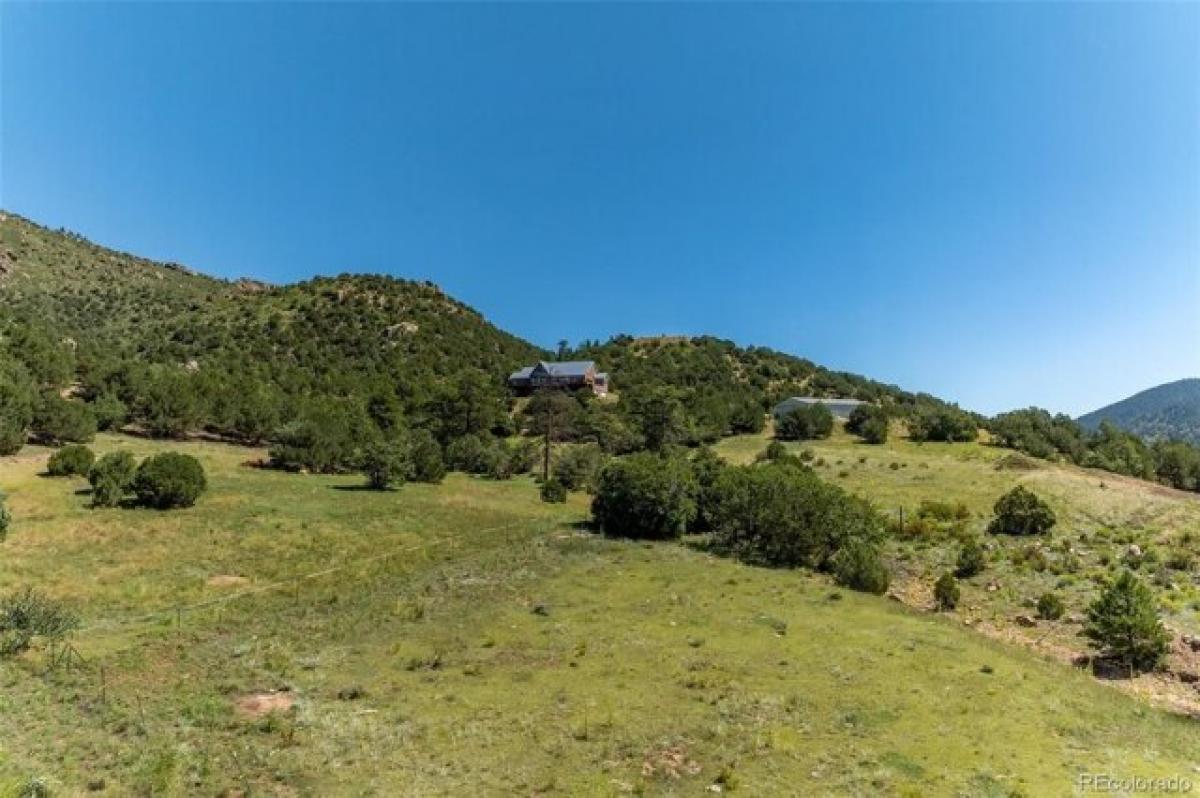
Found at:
(295, 635)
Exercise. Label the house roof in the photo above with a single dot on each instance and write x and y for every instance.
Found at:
(568, 368)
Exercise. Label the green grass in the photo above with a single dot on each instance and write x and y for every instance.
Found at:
(498, 649)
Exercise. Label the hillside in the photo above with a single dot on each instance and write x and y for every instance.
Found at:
(158, 348)
(291, 636)
(1166, 412)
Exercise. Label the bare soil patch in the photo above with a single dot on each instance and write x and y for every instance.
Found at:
(257, 705)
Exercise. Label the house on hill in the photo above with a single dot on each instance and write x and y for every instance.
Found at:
(841, 408)
(570, 375)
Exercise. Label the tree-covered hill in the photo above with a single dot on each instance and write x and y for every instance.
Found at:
(170, 351)
(1166, 412)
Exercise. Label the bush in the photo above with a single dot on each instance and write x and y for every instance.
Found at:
(60, 420)
(942, 424)
(111, 477)
(874, 431)
(472, 454)
(779, 515)
(73, 460)
(553, 491)
(27, 614)
(943, 511)
(946, 592)
(326, 438)
(707, 467)
(971, 560)
(168, 480)
(1123, 622)
(858, 566)
(5, 519)
(805, 423)
(110, 412)
(1050, 607)
(869, 422)
(578, 467)
(386, 463)
(1021, 512)
(645, 495)
(426, 456)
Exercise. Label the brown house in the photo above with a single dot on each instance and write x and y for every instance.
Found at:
(571, 375)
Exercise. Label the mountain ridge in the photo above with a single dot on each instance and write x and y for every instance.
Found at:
(1170, 411)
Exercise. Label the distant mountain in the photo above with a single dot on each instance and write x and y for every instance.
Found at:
(1169, 411)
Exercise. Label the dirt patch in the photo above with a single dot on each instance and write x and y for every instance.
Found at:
(257, 705)
(227, 580)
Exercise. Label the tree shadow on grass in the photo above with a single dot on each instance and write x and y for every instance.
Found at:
(363, 488)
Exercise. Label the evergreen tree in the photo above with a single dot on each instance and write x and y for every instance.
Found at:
(1123, 623)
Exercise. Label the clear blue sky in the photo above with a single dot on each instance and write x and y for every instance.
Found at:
(998, 203)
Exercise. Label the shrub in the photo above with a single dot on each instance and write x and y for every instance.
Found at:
(707, 467)
(27, 614)
(471, 454)
(858, 566)
(426, 456)
(805, 423)
(110, 412)
(386, 463)
(169, 480)
(971, 560)
(1050, 607)
(553, 491)
(783, 516)
(946, 592)
(1021, 512)
(578, 467)
(5, 519)
(645, 495)
(327, 437)
(73, 460)
(943, 511)
(874, 431)
(111, 477)
(1123, 623)
(60, 420)
(869, 422)
(942, 424)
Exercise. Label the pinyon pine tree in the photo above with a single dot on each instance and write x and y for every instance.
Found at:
(1123, 623)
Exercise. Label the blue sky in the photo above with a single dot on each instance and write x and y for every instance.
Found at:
(996, 203)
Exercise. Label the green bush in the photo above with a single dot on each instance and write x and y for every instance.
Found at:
(946, 592)
(553, 491)
(784, 516)
(327, 437)
(426, 456)
(5, 518)
(858, 566)
(805, 423)
(942, 424)
(27, 614)
(578, 466)
(707, 467)
(943, 511)
(645, 495)
(472, 454)
(869, 422)
(110, 412)
(1123, 623)
(111, 477)
(971, 559)
(59, 420)
(1021, 512)
(1050, 607)
(169, 480)
(385, 464)
(73, 460)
